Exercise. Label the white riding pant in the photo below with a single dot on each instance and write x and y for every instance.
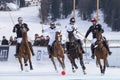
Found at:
(19, 40)
(93, 41)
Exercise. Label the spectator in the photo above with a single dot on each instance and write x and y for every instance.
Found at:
(4, 41)
(14, 42)
(37, 40)
(10, 40)
(42, 41)
(47, 40)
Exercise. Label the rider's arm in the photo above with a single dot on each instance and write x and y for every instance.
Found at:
(15, 28)
(89, 30)
(100, 28)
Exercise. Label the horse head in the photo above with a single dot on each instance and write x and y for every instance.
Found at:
(71, 36)
(58, 36)
(98, 35)
(24, 33)
(99, 38)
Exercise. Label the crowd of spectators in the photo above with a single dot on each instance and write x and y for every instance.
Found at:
(11, 41)
(41, 40)
(38, 41)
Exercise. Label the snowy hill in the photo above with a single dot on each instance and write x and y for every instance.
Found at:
(42, 71)
(30, 16)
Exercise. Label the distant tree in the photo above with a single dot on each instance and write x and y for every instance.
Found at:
(111, 9)
(67, 7)
(22, 3)
(55, 9)
(86, 8)
(45, 10)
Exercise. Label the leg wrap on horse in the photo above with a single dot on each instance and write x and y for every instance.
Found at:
(82, 64)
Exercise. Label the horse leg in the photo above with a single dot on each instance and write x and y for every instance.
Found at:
(52, 59)
(30, 62)
(98, 60)
(62, 64)
(72, 63)
(20, 61)
(73, 70)
(82, 65)
(105, 64)
(75, 65)
(25, 61)
(31, 48)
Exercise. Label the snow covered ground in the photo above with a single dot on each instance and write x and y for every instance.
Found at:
(44, 70)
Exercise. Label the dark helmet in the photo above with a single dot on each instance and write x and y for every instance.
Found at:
(94, 20)
(20, 18)
(72, 19)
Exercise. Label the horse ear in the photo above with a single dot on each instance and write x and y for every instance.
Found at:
(68, 31)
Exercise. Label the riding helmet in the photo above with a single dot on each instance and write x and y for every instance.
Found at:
(20, 18)
(72, 19)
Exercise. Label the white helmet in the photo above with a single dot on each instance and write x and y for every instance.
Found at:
(20, 18)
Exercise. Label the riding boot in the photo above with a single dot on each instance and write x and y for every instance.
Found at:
(17, 49)
(106, 45)
(31, 48)
(80, 43)
(92, 51)
(49, 50)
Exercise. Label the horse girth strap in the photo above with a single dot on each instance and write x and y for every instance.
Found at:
(75, 46)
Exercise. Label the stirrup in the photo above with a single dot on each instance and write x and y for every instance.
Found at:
(16, 55)
(110, 52)
(83, 52)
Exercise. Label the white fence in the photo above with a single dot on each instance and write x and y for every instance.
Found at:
(7, 55)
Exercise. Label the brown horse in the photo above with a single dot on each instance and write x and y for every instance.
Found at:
(24, 52)
(101, 52)
(74, 52)
(58, 51)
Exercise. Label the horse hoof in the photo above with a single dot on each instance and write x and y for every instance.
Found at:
(102, 74)
(26, 64)
(83, 67)
(84, 73)
(73, 71)
(31, 69)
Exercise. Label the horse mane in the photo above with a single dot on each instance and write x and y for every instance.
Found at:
(71, 35)
(99, 38)
(24, 35)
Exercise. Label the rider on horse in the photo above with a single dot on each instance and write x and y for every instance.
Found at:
(72, 26)
(93, 29)
(51, 32)
(17, 28)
